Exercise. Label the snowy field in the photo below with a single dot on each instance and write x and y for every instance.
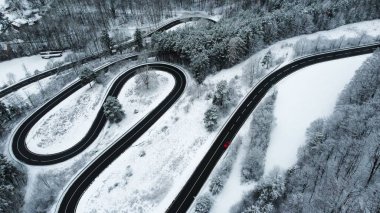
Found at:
(31, 63)
(303, 97)
(67, 123)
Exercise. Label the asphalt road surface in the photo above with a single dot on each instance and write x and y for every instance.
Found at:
(185, 198)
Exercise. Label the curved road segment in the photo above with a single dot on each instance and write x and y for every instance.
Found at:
(162, 27)
(185, 198)
(82, 182)
(23, 154)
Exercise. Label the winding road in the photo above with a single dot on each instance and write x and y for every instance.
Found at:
(82, 182)
(23, 154)
(19, 147)
(186, 197)
(183, 201)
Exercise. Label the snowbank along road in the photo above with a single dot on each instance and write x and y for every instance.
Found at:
(185, 198)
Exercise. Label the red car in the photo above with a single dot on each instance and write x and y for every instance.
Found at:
(226, 144)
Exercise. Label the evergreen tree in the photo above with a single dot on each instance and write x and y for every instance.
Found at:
(138, 40)
(11, 183)
(203, 204)
(211, 118)
(4, 112)
(107, 41)
(222, 95)
(267, 60)
(236, 50)
(87, 75)
(199, 63)
(4, 23)
(113, 110)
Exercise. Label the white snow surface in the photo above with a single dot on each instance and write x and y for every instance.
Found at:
(2, 3)
(175, 144)
(31, 63)
(303, 97)
(173, 147)
(68, 122)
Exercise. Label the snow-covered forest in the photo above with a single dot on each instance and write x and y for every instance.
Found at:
(337, 168)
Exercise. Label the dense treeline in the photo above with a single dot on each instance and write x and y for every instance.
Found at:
(212, 47)
(12, 182)
(77, 24)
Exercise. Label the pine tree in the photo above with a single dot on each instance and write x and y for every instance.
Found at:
(267, 60)
(222, 95)
(138, 40)
(211, 118)
(236, 49)
(4, 113)
(11, 183)
(199, 64)
(4, 23)
(87, 75)
(107, 41)
(203, 204)
(113, 110)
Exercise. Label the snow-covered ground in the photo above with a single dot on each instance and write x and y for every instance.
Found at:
(283, 50)
(25, 15)
(174, 145)
(31, 63)
(69, 121)
(303, 97)
(2, 4)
